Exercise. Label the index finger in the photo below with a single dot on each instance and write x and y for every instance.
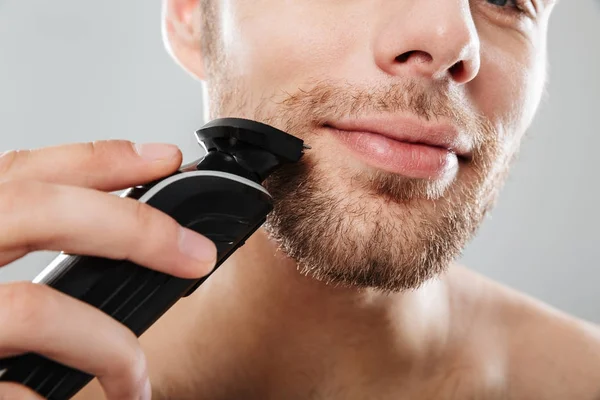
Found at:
(106, 165)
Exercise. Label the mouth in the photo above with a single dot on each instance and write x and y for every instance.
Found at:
(404, 146)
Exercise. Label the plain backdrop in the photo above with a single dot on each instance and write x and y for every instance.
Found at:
(73, 70)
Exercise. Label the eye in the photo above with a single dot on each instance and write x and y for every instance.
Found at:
(520, 7)
(504, 3)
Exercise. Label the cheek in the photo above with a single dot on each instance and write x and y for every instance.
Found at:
(509, 87)
(288, 43)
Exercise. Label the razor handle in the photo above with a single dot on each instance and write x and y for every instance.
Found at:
(224, 207)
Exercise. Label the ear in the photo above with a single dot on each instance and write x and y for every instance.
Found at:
(181, 34)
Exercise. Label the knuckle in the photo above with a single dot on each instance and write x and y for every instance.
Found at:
(90, 148)
(148, 223)
(10, 160)
(94, 155)
(144, 215)
(131, 370)
(138, 367)
(109, 149)
(105, 157)
(24, 306)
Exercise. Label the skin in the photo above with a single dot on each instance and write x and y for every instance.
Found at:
(259, 329)
(472, 338)
(36, 212)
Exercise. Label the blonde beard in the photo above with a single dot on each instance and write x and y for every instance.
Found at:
(370, 230)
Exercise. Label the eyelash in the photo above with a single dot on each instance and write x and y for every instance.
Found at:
(520, 9)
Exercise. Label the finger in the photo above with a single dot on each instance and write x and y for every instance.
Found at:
(41, 216)
(107, 165)
(36, 318)
(13, 391)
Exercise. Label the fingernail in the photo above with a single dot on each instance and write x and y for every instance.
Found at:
(156, 151)
(147, 395)
(197, 247)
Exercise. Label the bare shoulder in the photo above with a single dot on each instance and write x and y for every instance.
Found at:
(549, 354)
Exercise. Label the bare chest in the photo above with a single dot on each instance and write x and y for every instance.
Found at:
(457, 384)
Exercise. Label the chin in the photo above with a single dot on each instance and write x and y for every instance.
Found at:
(388, 198)
(347, 223)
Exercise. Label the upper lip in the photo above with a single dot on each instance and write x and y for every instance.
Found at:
(410, 130)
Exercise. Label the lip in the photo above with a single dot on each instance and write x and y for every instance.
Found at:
(409, 130)
(405, 146)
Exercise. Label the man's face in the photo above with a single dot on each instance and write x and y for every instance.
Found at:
(413, 110)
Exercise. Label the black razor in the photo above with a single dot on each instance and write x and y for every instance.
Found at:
(219, 196)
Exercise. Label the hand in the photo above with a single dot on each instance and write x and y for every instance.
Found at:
(39, 192)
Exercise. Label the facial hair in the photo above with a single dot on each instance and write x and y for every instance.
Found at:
(370, 228)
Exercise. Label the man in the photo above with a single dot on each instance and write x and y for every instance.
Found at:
(414, 110)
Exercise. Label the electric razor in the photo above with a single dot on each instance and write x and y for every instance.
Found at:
(219, 196)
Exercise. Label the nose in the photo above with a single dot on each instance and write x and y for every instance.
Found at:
(434, 39)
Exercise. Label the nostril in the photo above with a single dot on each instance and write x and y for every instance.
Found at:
(457, 69)
(402, 58)
(414, 55)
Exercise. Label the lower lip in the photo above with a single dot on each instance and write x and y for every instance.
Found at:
(411, 160)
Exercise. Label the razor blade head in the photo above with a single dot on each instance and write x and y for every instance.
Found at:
(257, 147)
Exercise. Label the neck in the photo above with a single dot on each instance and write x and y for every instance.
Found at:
(267, 320)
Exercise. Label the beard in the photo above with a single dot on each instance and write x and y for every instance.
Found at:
(362, 227)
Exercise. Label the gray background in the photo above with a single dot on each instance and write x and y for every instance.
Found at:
(73, 70)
